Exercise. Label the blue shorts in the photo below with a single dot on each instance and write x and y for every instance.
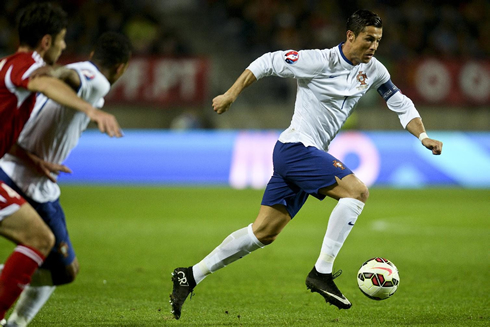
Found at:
(298, 172)
(62, 253)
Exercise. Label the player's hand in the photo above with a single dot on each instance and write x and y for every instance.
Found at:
(47, 169)
(222, 103)
(434, 145)
(106, 122)
(44, 168)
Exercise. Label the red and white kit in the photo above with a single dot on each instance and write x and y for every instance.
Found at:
(16, 104)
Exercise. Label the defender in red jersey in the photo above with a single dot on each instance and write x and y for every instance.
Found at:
(42, 29)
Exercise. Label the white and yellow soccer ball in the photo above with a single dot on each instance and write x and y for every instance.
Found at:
(378, 278)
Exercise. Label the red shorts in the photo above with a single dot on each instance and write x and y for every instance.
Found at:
(10, 201)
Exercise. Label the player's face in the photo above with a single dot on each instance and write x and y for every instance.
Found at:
(57, 46)
(365, 44)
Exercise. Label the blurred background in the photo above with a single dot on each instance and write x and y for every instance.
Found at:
(438, 53)
(188, 51)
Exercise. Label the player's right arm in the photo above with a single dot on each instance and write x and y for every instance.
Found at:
(67, 75)
(289, 63)
(222, 102)
(64, 95)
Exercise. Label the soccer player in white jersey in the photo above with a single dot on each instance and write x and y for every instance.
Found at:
(50, 134)
(330, 83)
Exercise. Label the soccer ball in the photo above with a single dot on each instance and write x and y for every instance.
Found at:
(378, 278)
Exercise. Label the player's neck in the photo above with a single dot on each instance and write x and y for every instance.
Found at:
(346, 50)
(26, 49)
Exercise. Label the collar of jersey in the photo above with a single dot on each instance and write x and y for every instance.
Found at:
(37, 57)
(96, 67)
(346, 63)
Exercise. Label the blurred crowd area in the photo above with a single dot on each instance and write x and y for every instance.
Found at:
(448, 29)
(232, 33)
(88, 19)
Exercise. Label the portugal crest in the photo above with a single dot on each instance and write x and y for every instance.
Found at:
(362, 77)
(338, 164)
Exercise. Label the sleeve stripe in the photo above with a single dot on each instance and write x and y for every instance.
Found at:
(33, 67)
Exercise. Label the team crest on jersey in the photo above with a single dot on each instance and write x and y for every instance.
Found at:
(63, 249)
(89, 75)
(291, 57)
(362, 77)
(338, 164)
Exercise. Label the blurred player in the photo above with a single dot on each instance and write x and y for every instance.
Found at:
(42, 29)
(330, 83)
(51, 134)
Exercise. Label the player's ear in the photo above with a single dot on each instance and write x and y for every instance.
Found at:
(118, 71)
(121, 68)
(350, 36)
(46, 42)
(91, 55)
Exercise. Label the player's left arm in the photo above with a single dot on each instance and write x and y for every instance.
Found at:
(416, 127)
(404, 107)
(43, 167)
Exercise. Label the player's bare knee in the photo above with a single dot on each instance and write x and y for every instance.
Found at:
(359, 191)
(74, 268)
(42, 240)
(363, 194)
(48, 241)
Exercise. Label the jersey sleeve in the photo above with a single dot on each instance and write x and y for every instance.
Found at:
(403, 106)
(289, 63)
(382, 75)
(93, 85)
(395, 100)
(100, 103)
(21, 71)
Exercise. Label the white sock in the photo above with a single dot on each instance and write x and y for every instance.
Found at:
(340, 223)
(31, 300)
(237, 245)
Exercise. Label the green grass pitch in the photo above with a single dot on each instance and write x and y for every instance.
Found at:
(129, 239)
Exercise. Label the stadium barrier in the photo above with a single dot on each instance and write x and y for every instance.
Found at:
(242, 159)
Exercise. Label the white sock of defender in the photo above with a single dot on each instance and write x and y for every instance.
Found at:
(237, 245)
(340, 223)
(31, 300)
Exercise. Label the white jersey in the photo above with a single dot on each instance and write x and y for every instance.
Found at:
(52, 132)
(329, 88)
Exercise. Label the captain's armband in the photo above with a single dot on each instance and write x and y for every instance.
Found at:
(387, 90)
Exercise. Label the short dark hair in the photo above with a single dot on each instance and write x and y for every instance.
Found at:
(38, 20)
(362, 18)
(112, 49)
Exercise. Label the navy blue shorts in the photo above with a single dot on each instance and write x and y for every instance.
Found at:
(298, 172)
(62, 253)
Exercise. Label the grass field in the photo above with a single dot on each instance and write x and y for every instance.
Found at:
(128, 240)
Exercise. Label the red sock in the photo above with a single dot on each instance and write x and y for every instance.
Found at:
(16, 274)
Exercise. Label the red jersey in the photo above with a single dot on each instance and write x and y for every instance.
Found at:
(16, 102)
